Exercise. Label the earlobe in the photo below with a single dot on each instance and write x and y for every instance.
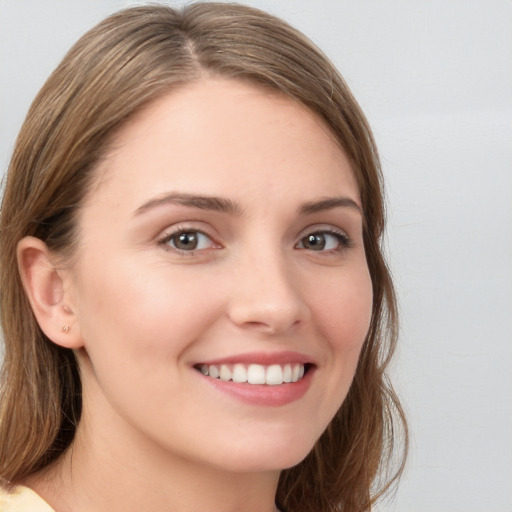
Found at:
(48, 293)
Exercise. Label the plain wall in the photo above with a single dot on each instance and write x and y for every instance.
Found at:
(435, 80)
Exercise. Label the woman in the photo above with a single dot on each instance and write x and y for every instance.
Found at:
(196, 311)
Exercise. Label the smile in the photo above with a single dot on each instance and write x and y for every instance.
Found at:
(271, 375)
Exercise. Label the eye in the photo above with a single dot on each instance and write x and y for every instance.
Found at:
(188, 240)
(324, 241)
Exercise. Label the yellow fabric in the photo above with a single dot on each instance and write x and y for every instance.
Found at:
(22, 499)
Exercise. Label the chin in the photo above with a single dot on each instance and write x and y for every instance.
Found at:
(276, 455)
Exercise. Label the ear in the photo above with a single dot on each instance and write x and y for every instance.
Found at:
(48, 292)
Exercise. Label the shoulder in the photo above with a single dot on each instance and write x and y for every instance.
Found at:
(22, 499)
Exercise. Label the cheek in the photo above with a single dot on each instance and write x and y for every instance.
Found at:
(341, 306)
(144, 316)
(344, 310)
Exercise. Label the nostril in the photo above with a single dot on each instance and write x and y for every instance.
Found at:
(270, 306)
(271, 326)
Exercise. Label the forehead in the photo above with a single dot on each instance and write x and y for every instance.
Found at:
(219, 133)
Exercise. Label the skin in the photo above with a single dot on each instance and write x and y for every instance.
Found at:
(155, 435)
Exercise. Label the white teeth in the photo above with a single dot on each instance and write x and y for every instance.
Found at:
(239, 373)
(256, 374)
(287, 373)
(225, 373)
(272, 375)
(213, 371)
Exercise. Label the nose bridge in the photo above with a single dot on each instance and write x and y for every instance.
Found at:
(266, 293)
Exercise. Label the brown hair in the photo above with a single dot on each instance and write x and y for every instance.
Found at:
(112, 72)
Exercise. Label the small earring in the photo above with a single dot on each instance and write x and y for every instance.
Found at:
(66, 328)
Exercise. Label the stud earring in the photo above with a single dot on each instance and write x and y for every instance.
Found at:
(66, 328)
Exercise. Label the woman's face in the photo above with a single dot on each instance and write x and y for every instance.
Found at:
(223, 236)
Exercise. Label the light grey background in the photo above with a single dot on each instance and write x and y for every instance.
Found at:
(435, 79)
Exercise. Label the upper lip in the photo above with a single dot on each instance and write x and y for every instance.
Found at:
(262, 358)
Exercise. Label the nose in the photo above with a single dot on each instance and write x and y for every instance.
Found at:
(266, 296)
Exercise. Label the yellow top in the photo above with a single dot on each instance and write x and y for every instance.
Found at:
(22, 499)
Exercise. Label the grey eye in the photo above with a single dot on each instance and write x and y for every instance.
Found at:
(323, 241)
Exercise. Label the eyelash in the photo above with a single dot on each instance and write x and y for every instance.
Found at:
(342, 238)
(182, 230)
(344, 242)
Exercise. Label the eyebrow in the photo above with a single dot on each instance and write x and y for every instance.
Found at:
(217, 204)
(329, 204)
(223, 205)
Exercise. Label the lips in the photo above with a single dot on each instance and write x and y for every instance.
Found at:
(272, 375)
(268, 379)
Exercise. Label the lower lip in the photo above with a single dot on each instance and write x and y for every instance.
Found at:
(263, 394)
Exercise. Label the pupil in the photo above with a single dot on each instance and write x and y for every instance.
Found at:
(315, 241)
(186, 241)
